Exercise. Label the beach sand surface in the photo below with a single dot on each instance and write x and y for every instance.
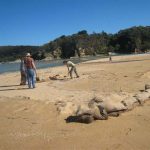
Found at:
(29, 118)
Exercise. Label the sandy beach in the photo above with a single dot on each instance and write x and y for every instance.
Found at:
(29, 118)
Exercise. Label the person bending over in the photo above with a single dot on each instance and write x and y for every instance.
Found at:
(71, 68)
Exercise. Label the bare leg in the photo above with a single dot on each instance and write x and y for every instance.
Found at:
(75, 71)
(71, 70)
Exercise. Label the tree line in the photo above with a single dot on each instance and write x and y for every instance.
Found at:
(131, 40)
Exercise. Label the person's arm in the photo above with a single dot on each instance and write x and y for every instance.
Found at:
(24, 64)
(68, 69)
(34, 67)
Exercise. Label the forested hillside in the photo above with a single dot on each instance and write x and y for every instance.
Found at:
(125, 41)
(12, 53)
(79, 44)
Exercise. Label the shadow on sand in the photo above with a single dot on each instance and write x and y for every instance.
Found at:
(14, 89)
(11, 89)
(8, 86)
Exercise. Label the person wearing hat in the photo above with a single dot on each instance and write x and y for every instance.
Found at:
(31, 70)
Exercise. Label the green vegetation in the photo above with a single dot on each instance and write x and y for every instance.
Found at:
(79, 44)
(12, 53)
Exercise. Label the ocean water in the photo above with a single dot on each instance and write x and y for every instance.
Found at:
(15, 66)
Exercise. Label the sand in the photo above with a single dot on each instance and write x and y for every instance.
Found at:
(29, 118)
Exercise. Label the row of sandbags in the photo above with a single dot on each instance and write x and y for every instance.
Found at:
(103, 106)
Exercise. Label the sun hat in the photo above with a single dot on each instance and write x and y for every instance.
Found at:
(28, 54)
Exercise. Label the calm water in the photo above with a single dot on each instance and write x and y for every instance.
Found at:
(11, 67)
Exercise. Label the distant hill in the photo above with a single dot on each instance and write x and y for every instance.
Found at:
(134, 39)
(11, 53)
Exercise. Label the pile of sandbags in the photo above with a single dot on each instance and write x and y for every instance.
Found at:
(57, 77)
(100, 108)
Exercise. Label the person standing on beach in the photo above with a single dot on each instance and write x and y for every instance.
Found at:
(31, 70)
(22, 72)
(71, 67)
(110, 59)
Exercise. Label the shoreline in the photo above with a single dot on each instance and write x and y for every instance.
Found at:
(98, 58)
(88, 78)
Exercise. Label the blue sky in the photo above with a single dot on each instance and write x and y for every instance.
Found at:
(35, 22)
